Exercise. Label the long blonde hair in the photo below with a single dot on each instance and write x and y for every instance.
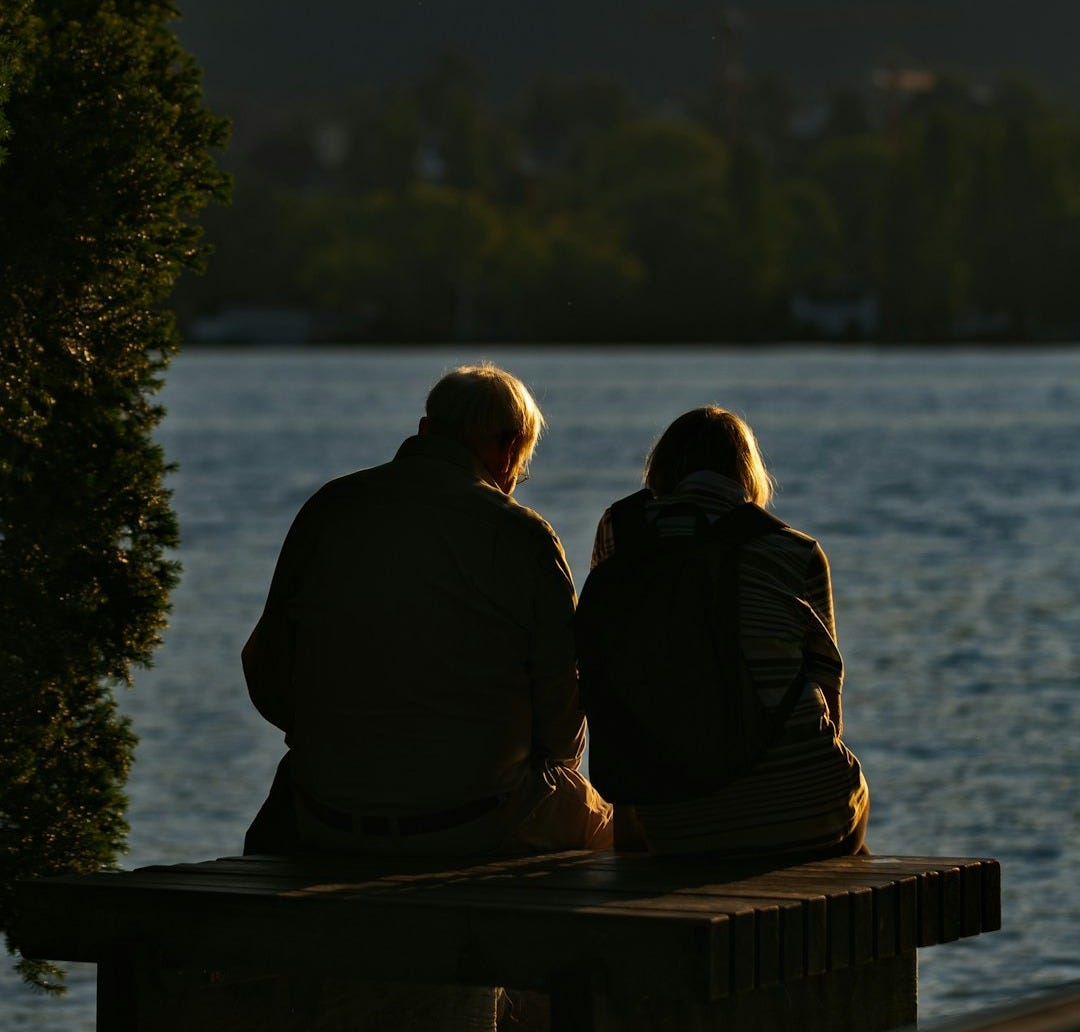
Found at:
(709, 438)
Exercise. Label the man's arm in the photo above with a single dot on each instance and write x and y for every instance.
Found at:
(558, 719)
(268, 654)
(267, 661)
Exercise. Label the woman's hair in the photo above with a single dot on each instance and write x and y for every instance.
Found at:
(708, 438)
(476, 403)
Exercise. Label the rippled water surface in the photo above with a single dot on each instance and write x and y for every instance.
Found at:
(945, 488)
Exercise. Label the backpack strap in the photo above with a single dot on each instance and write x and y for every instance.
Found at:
(744, 523)
(629, 527)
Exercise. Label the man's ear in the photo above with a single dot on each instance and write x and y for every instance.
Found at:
(424, 428)
(509, 451)
(500, 458)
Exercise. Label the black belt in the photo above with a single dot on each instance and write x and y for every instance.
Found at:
(355, 824)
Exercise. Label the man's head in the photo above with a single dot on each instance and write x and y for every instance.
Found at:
(492, 413)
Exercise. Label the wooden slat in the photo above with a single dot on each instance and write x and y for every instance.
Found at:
(862, 925)
(767, 934)
(950, 919)
(794, 964)
(907, 914)
(930, 901)
(971, 906)
(991, 897)
(838, 926)
(743, 945)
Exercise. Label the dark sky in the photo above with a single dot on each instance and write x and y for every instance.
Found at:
(261, 53)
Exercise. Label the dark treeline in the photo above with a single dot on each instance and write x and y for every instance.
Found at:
(920, 209)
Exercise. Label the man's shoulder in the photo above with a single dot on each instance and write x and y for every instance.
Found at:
(536, 523)
(343, 489)
(519, 519)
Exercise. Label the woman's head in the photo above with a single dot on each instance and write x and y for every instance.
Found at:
(708, 438)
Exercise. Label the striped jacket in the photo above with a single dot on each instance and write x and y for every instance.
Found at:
(808, 790)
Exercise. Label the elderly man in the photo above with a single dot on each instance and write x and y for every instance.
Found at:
(417, 650)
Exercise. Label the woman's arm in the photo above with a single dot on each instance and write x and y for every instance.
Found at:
(823, 661)
(604, 542)
(835, 712)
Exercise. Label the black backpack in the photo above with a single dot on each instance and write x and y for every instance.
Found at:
(672, 711)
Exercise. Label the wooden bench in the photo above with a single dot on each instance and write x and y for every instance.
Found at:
(616, 940)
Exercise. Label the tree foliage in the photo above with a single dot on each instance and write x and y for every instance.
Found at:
(108, 159)
(957, 209)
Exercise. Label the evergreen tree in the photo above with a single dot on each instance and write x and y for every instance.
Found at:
(107, 160)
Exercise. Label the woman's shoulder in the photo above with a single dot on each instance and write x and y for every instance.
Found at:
(790, 547)
(798, 539)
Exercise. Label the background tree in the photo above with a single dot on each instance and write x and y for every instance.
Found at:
(854, 173)
(108, 159)
(1022, 214)
(558, 118)
(923, 273)
(563, 278)
(663, 188)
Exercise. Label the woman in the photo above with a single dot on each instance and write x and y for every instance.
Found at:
(804, 794)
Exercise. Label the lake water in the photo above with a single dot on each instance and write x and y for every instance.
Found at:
(945, 488)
